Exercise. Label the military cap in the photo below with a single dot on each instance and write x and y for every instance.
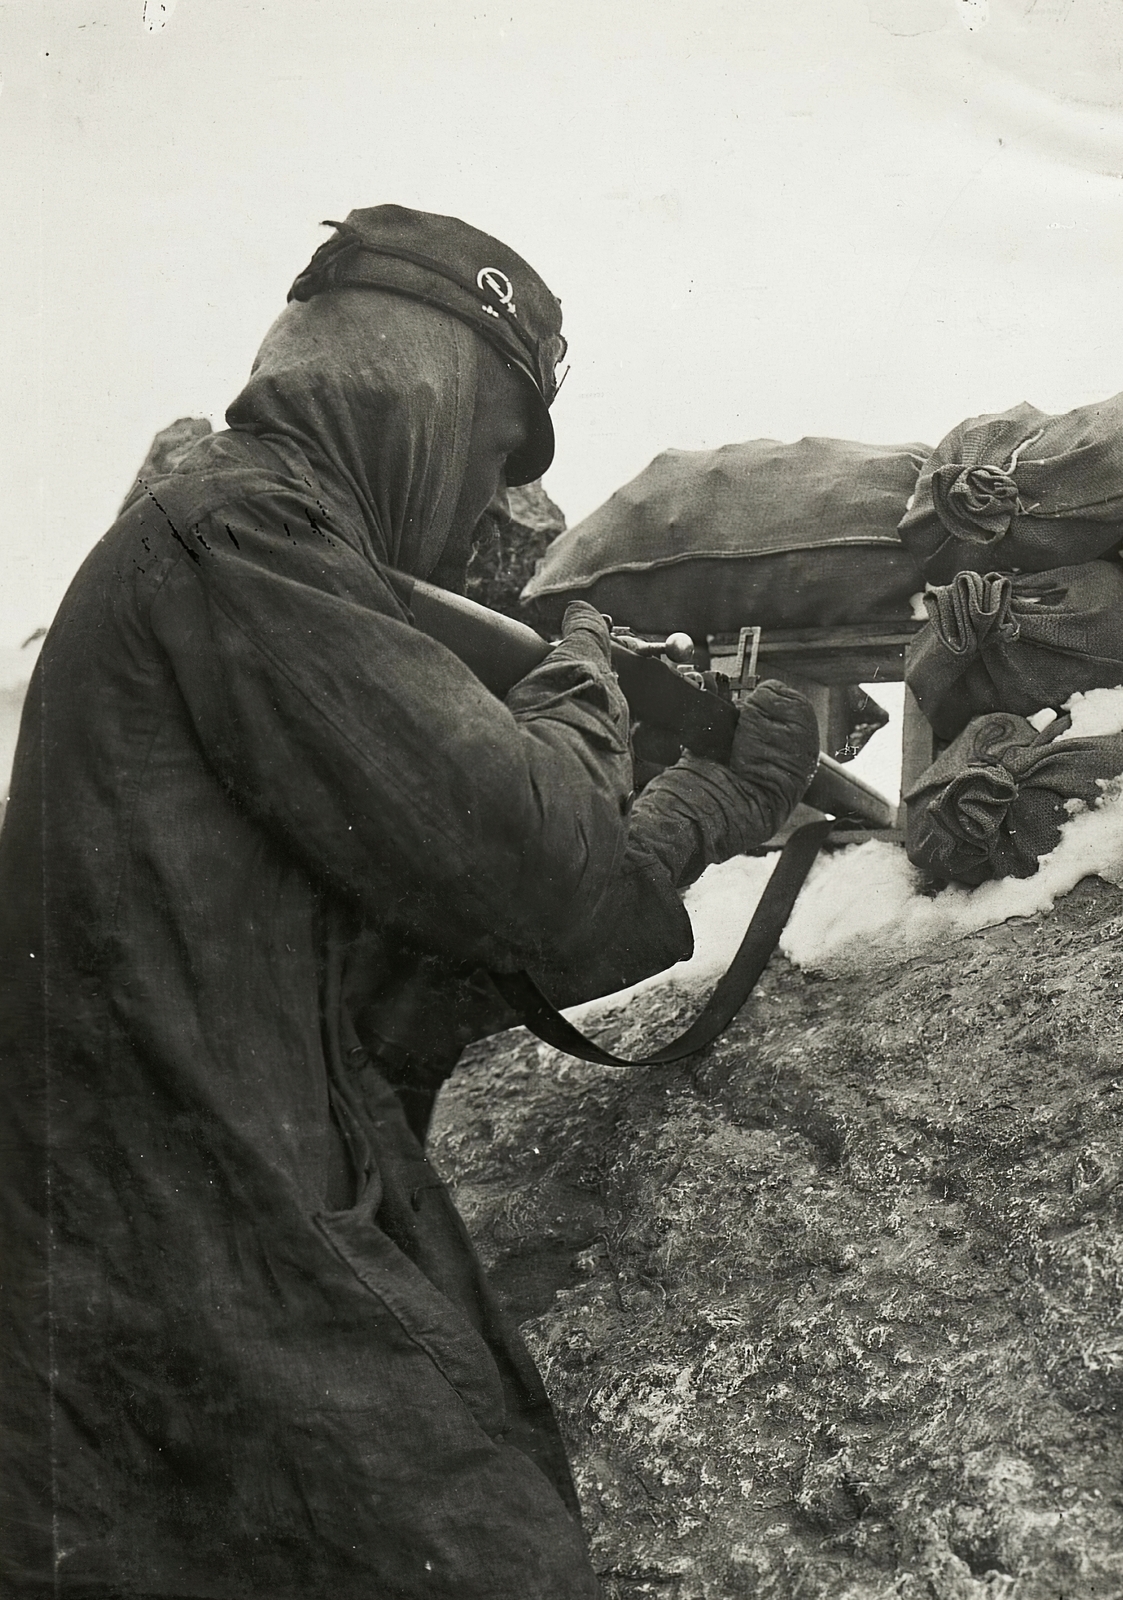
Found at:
(445, 263)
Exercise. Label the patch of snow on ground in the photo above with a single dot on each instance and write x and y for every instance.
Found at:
(862, 910)
(1099, 711)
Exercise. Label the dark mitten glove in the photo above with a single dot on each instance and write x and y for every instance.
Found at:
(776, 746)
(699, 812)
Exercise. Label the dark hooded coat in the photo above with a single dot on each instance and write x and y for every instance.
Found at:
(247, 1350)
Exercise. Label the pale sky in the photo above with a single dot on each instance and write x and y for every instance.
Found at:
(861, 218)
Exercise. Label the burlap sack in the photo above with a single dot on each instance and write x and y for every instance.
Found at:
(999, 643)
(785, 535)
(994, 802)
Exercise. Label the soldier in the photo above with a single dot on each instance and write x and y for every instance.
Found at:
(249, 1351)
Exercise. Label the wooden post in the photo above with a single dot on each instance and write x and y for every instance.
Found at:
(837, 729)
(820, 696)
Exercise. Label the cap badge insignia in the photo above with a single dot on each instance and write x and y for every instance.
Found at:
(498, 284)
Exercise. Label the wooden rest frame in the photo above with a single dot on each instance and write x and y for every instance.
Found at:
(822, 663)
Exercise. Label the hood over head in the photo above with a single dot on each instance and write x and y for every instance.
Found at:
(378, 394)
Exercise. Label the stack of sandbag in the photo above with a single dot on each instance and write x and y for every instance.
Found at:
(1017, 521)
(784, 535)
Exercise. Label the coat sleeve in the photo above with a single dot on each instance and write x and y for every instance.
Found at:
(488, 832)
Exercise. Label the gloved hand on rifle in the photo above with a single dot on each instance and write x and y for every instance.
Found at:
(699, 812)
(575, 684)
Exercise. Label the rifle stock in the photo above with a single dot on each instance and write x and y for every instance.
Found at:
(501, 650)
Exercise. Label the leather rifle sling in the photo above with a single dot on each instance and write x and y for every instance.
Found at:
(732, 990)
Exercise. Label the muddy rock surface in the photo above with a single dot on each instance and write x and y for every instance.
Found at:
(509, 546)
(836, 1308)
(170, 446)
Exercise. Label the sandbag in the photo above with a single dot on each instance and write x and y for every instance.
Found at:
(1020, 491)
(994, 802)
(1001, 643)
(784, 535)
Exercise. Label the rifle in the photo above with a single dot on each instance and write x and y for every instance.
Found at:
(500, 650)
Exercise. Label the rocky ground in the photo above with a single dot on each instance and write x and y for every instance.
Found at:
(836, 1308)
(508, 548)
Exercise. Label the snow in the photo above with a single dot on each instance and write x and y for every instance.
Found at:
(862, 909)
(1099, 711)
